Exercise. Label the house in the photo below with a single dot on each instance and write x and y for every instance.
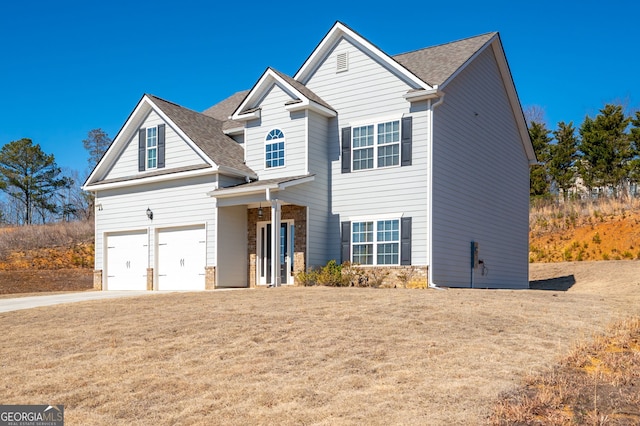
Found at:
(418, 161)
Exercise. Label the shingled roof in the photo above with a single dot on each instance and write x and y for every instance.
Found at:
(223, 110)
(308, 93)
(206, 132)
(434, 65)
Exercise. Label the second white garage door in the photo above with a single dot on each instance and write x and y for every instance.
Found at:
(181, 258)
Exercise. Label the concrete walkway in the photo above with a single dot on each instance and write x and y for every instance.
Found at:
(18, 303)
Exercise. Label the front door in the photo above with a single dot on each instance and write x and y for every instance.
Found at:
(265, 261)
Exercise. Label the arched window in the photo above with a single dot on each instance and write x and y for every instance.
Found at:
(274, 149)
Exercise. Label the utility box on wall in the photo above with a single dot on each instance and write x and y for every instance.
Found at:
(474, 255)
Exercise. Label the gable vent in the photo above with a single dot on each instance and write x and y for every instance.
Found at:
(342, 63)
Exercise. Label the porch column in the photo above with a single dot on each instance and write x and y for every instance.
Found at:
(276, 279)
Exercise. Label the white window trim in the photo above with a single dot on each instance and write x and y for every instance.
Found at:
(271, 142)
(375, 122)
(147, 148)
(375, 241)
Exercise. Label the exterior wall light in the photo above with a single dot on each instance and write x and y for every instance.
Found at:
(149, 213)
(260, 212)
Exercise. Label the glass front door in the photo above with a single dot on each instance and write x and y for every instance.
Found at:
(265, 258)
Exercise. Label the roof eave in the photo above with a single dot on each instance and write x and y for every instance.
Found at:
(423, 95)
(135, 181)
(311, 106)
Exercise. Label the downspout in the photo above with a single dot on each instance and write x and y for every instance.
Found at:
(431, 108)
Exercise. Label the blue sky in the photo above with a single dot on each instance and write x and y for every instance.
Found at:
(67, 67)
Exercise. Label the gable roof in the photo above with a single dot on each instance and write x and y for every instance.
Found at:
(436, 65)
(206, 132)
(340, 31)
(302, 97)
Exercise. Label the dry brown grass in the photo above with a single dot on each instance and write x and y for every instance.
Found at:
(320, 356)
(598, 383)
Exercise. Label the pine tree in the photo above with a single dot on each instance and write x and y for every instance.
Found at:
(563, 156)
(606, 149)
(31, 177)
(539, 184)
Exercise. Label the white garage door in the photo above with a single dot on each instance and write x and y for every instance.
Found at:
(127, 258)
(181, 258)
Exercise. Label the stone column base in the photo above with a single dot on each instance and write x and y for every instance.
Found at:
(209, 277)
(97, 279)
(149, 279)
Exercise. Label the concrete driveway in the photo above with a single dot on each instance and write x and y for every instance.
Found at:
(18, 303)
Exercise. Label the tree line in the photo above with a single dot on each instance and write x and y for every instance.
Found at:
(38, 190)
(601, 158)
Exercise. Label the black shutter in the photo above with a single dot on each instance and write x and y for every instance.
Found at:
(346, 150)
(345, 241)
(161, 145)
(405, 241)
(407, 130)
(142, 149)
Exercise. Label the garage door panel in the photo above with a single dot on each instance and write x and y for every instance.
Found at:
(127, 261)
(181, 259)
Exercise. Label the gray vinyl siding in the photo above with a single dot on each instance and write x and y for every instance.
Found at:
(366, 90)
(232, 257)
(177, 152)
(481, 180)
(275, 116)
(180, 202)
(367, 93)
(322, 244)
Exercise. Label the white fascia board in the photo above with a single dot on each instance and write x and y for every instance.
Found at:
(269, 77)
(151, 179)
(469, 60)
(247, 116)
(232, 192)
(285, 185)
(328, 42)
(514, 100)
(235, 172)
(422, 95)
(234, 131)
(142, 109)
(312, 106)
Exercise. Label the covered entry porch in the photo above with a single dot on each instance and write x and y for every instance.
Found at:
(260, 236)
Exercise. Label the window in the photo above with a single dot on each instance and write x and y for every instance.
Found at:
(386, 150)
(389, 144)
(362, 237)
(152, 147)
(362, 147)
(274, 149)
(379, 247)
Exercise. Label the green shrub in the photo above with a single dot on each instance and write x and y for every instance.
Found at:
(308, 278)
(331, 275)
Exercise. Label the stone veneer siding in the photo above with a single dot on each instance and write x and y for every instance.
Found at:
(288, 212)
(209, 277)
(97, 279)
(149, 279)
